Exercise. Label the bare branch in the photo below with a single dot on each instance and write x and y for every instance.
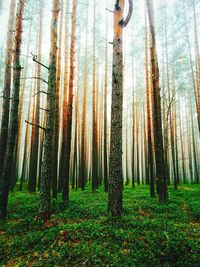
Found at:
(35, 60)
(44, 109)
(40, 92)
(110, 10)
(36, 125)
(38, 78)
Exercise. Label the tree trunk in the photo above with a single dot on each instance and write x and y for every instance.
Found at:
(57, 112)
(64, 103)
(12, 133)
(45, 185)
(116, 175)
(149, 120)
(83, 161)
(105, 149)
(7, 85)
(35, 145)
(25, 154)
(94, 111)
(157, 119)
(65, 192)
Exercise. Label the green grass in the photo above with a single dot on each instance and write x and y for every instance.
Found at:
(82, 234)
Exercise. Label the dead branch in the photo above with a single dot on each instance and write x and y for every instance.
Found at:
(36, 125)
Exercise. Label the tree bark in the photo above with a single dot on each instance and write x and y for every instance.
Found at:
(35, 146)
(64, 101)
(7, 85)
(149, 119)
(83, 161)
(12, 133)
(105, 149)
(116, 176)
(157, 119)
(45, 185)
(65, 192)
(57, 113)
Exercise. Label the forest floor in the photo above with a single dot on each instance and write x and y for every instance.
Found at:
(82, 234)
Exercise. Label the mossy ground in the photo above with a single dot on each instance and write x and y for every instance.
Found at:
(82, 234)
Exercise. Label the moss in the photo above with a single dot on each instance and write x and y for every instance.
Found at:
(148, 234)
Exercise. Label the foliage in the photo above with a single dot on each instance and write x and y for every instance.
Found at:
(82, 234)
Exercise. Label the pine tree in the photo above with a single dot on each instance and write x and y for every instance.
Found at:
(7, 85)
(12, 133)
(116, 176)
(45, 183)
(156, 107)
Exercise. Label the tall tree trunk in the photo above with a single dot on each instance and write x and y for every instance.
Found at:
(12, 133)
(84, 111)
(157, 120)
(116, 176)
(64, 101)
(7, 85)
(45, 185)
(35, 146)
(182, 149)
(171, 112)
(65, 192)
(133, 118)
(16, 162)
(105, 149)
(149, 120)
(57, 115)
(165, 111)
(94, 110)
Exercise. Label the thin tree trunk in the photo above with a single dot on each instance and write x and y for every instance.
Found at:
(94, 111)
(12, 133)
(196, 171)
(25, 154)
(35, 145)
(157, 120)
(149, 120)
(84, 111)
(64, 103)
(7, 85)
(105, 149)
(65, 192)
(182, 149)
(45, 184)
(57, 115)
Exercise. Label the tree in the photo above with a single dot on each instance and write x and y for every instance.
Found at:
(12, 132)
(94, 110)
(105, 147)
(83, 171)
(35, 146)
(7, 85)
(156, 108)
(149, 119)
(64, 101)
(45, 184)
(116, 178)
(65, 192)
(57, 114)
